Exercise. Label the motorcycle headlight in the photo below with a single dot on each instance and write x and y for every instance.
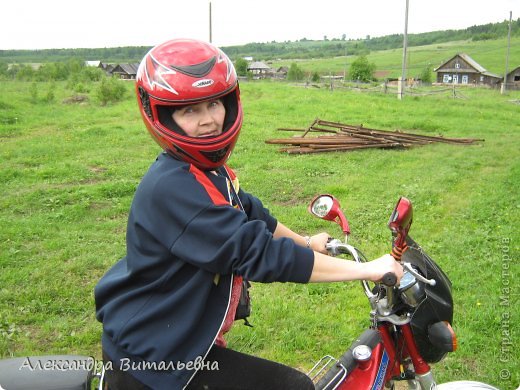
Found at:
(411, 291)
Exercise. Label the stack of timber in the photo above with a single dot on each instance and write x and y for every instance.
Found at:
(343, 137)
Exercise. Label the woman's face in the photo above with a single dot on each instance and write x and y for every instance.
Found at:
(204, 119)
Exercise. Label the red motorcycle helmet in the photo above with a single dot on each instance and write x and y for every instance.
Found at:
(181, 72)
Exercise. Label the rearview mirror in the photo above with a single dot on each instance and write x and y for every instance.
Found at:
(327, 207)
(401, 220)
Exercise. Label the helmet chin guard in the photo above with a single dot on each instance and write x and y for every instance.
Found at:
(181, 72)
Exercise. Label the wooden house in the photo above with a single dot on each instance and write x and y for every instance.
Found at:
(513, 79)
(259, 69)
(107, 68)
(125, 71)
(462, 69)
(281, 72)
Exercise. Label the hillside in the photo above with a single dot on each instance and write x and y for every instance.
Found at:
(302, 49)
(306, 49)
(491, 54)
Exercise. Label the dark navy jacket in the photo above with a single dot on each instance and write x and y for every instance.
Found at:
(166, 300)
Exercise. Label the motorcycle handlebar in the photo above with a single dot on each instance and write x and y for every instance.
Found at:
(335, 247)
(389, 279)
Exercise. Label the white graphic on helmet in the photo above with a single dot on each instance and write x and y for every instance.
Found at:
(156, 76)
(223, 57)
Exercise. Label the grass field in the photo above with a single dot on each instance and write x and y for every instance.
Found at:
(69, 173)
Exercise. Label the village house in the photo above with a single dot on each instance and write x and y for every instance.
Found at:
(462, 69)
(281, 72)
(107, 68)
(513, 79)
(125, 71)
(259, 69)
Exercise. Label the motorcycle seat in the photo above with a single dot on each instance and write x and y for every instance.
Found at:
(51, 372)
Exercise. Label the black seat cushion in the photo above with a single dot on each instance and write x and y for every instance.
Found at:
(56, 372)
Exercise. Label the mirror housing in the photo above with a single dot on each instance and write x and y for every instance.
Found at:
(401, 220)
(328, 208)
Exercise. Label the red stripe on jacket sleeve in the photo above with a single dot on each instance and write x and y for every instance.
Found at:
(217, 198)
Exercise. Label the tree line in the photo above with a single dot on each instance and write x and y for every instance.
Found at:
(304, 48)
(301, 49)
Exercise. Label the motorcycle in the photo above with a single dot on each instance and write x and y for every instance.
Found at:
(410, 323)
(410, 326)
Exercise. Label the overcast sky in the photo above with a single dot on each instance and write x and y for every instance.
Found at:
(45, 24)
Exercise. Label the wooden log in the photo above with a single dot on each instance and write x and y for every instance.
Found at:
(306, 150)
(325, 140)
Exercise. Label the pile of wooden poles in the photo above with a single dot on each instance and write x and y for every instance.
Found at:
(343, 137)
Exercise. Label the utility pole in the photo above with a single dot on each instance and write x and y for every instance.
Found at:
(402, 80)
(504, 84)
(210, 27)
(345, 70)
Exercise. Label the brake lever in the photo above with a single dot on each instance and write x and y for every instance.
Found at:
(408, 267)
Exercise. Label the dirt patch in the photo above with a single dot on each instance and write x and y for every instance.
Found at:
(76, 99)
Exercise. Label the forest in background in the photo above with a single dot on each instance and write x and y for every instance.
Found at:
(301, 49)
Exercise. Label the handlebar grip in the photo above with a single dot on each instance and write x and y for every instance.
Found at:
(389, 279)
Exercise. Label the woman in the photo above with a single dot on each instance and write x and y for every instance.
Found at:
(194, 239)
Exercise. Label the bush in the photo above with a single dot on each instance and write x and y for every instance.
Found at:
(89, 73)
(295, 73)
(51, 95)
(362, 70)
(22, 72)
(426, 75)
(80, 88)
(110, 90)
(241, 67)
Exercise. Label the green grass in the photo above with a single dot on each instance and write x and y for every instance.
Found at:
(69, 173)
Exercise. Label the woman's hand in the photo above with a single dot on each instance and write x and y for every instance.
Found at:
(318, 242)
(376, 269)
